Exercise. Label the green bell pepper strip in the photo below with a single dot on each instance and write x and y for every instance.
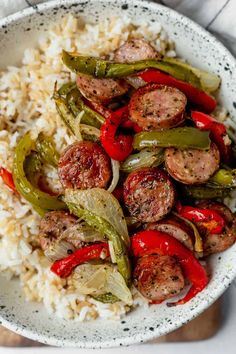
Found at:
(31, 193)
(223, 178)
(203, 192)
(104, 227)
(76, 104)
(181, 138)
(105, 69)
(66, 88)
(47, 151)
(33, 167)
(107, 298)
(144, 158)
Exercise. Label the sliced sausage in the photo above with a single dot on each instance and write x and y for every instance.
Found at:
(156, 107)
(214, 243)
(52, 225)
(149, 194)
(192, 166)
(101, 90)
(84, 165)
(176, 228)
(158, 277)
(134, 50)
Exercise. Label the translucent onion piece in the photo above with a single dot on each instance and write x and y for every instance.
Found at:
(77, 126)
(135, 81)
(92, 131)
(210, 82)
(59, 250)
(145, 158)
(117, 286)
(103, 204)
(112, 252)
(92, 279)
(198, 245)
(81, 232)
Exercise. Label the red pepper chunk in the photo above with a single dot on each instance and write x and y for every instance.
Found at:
(211, 219)
(117, 147)
(125, 121)
(151, 242)
(64, 267)
(218, 133)
(198, 97)
(7, 178)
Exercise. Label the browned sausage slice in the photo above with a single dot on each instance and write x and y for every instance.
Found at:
(158, 277)
(52, 225)
(176, 228)
(218, 242)
(101, 90)
(134, 50)
(84, 165)
(192, 166)
(156, 107)
(149, 194)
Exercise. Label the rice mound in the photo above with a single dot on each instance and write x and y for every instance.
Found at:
(26, 104)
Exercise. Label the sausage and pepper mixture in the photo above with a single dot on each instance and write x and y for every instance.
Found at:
(143, 183)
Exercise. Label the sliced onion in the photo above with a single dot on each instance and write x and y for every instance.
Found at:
(117, 286)
(81, 232)
(89, 130)
(112, 252)
(103, 204)
(77, 126)
(144, 158)
(198, 245)
(135, 81)
(210, 82)
(59, 250)
(92, 279)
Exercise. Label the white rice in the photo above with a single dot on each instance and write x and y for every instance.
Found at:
(26, 104)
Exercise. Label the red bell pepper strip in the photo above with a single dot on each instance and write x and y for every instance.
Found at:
(7, 178)
(64, 267)
(151, 242)
(122, 112)
(211, 219)
(117, 147)
(218, 133)
(200, 98)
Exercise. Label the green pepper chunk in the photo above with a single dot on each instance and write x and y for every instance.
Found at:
(104, 227)
(107, 298)
(223, 178)
(47, 150)
(30, 192)
(77, 105)
(144, 158)
(203, 192)
(66, 88)
(181, 138)
(105, 69)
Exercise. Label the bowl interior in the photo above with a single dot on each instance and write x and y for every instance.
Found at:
(21, 31)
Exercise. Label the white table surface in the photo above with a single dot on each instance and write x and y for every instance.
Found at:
(223, 342)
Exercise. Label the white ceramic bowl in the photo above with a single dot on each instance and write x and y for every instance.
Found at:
(201, 49)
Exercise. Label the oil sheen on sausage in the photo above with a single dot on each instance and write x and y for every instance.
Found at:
(156, 107)
(192, 166)
(84, 165)
(134, 50)
(101, 90)
(158, 277)
(149, 194)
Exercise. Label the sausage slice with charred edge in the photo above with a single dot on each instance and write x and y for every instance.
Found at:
(158, 277)
(192, 166)
(149, 194)
(156, 107)
(100, 90)
(84, 165)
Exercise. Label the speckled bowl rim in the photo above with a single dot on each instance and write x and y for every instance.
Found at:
(145, 336)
